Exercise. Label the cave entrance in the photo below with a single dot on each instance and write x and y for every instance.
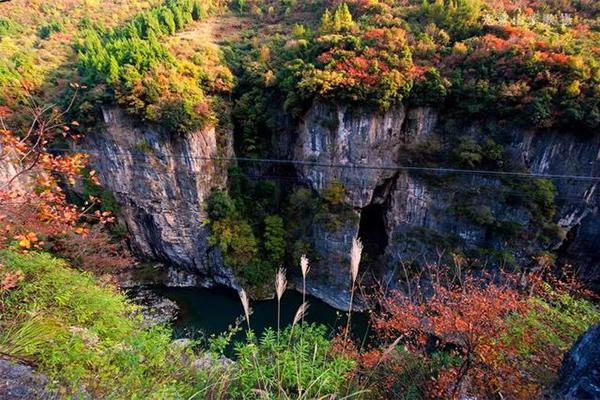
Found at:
(372, 230)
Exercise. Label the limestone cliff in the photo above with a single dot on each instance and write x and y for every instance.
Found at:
(160, 183)
(402, 214)
(415, 215)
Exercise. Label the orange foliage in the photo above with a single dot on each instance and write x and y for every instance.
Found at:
(34, 210)
(469, 318)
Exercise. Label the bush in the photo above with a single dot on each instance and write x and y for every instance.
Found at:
(236, 240)
(301, 361)
(275, 239)
(8, 27)
(219, 205)
(48, 29)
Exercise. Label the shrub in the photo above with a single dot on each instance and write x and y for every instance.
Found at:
(8, 27)
(301, 363)
(501, 339)
(236, 240)
(48, 29)
(219, 205)
(274, 239)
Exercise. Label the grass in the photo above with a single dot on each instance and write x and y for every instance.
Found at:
(86, 337)
(83, 335)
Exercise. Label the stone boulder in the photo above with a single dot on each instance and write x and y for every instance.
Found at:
(580, 371)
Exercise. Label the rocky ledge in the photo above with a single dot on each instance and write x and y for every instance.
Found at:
(580, 372)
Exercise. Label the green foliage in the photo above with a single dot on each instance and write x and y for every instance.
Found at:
(471, 58)
(235, 238)
(142, 74)
(241, 244)
(461, 17)
(275, 239)
(468, 153)
(219, 205)
(48, 29)
(432, 90)
(342, 19)
(8, 27)
(84, 336)
(551, 327)
(333, 211)
(302, 360)
(334, 193)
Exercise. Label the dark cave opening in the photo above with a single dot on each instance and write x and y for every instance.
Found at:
(372, 230)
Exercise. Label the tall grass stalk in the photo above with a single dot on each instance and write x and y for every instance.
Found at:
(305, 267)
(245, 305)
(355, 255)
(280, 285)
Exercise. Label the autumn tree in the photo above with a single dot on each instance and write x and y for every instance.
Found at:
(34, 211)
(466, 319)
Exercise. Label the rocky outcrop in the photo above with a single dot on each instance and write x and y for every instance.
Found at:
(160, 183)
(21, 382)
(337, 139)
(422, 214)
(580, 372)
(154, 309)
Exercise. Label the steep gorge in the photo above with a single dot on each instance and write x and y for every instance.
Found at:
(161, 184)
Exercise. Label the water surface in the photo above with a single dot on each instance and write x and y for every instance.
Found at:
(212, 311)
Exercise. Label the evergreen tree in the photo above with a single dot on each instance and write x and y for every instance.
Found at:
(112, 76)
(342, 19)
(198, 11)
(178, 16)
(151, 24)
(168, 21)
(326, 22)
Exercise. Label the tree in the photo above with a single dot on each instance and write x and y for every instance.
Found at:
(275, 239)
(470, 316)
(168, 21)
(342, 19)
(112, 76)
(34, 209)
(327, 22)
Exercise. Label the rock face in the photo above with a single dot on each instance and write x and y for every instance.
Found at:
(160, 183)
(341, 144)
(21, 382)
(402, 214)
(580, 372)
(337, 138)
(418, 215)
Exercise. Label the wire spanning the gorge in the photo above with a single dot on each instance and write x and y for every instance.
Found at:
(526, 175)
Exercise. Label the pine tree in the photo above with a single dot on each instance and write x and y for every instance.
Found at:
(342, 19)
(198, 11)
(112, 75)
(326, 22)
(168, 21)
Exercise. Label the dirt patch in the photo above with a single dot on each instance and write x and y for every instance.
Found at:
(215, 30)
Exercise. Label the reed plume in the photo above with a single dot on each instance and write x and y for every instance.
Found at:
(305, 267)
(355, 255)
(245, 305)
(280, 285)
(300, 313)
